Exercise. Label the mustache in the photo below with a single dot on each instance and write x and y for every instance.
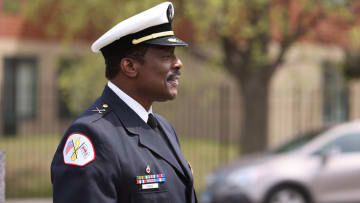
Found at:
(174, 75)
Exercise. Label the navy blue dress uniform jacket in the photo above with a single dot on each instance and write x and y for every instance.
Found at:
(124, 146)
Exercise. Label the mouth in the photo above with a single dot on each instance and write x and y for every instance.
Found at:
(173, 80)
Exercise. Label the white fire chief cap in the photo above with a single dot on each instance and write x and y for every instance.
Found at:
(152, 26)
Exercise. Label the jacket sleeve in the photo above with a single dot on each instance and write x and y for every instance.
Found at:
(93, 182)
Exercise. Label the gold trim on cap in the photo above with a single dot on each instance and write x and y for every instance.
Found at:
(152, 36)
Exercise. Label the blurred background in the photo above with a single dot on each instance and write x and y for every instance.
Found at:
(256, 74)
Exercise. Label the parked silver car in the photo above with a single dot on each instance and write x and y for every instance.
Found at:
(319, 167)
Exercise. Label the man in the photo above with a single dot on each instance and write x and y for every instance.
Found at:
(119, 150)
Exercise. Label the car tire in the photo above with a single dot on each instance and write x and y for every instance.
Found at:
(287, 194)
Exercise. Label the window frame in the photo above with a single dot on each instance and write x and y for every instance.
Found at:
(14, 63)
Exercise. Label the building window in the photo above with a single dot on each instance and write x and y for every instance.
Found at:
(19, 99)
(335, 92)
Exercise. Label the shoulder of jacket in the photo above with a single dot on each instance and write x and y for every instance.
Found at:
(95, 112)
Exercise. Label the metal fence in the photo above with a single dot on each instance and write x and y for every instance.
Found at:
(207, 119)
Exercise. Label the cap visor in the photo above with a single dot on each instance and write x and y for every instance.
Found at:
(166, 41)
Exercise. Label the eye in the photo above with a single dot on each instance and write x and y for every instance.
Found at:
(167, 56)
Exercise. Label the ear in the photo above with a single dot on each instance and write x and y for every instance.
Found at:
(129, 67)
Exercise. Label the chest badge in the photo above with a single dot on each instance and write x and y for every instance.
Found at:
(148, 170)
(158, 178)
(150, 181)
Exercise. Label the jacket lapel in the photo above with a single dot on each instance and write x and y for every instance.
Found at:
(151, 140)
(174, 144)
(135, 125)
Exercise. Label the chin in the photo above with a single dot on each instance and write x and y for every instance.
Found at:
(173, 94)
(170, 97)
(167, 97)
(173, 97)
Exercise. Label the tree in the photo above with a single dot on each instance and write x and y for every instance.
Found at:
(245, 30)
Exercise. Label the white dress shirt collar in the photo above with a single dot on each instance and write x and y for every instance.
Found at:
(132, 103)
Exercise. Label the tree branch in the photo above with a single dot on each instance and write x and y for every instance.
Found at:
(304, 26)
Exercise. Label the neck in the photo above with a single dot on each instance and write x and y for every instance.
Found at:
(129, 90)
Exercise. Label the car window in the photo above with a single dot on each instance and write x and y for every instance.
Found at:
(299, 141)
(344, 144)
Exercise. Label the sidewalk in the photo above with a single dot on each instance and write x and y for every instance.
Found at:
(29, 201)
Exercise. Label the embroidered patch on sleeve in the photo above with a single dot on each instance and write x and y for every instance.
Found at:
(78, 150)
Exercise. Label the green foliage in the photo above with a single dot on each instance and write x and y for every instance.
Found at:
(354, 36)
(340, 8)
(72, 17)
(82, 82)
(11, 6)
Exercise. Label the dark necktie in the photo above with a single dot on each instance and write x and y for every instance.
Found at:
(153, 123)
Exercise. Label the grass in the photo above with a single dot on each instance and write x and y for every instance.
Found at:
(28, 160)
(206, 155)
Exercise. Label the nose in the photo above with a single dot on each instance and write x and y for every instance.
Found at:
(177, 64)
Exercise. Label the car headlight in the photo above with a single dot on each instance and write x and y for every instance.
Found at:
(243, 177)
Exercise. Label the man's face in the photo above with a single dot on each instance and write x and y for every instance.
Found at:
(159, 75)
